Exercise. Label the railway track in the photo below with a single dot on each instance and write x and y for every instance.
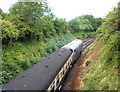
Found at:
(87, 43)
(68, 83)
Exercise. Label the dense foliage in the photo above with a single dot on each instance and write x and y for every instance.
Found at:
(21, 55)
(103, 74)
(35, 21)
(86, 23)
(109, 33)
(30, 32)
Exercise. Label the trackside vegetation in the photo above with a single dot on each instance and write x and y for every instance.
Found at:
(103, 71)
(30, 32)
(22, 55)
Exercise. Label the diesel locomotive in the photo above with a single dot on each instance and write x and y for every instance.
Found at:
(49, 73)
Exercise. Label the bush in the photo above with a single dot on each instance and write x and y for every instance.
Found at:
(87, 63)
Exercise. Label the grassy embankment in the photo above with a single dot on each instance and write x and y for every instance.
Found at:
(102, 62)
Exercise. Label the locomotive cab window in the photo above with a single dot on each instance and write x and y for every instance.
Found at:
(75, 50)
(71, 50)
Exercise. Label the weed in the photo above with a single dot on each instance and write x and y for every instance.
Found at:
(87, 62)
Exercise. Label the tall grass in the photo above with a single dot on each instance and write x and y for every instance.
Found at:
(103, 73)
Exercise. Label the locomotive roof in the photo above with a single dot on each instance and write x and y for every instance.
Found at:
(73, 45)
(40, 76)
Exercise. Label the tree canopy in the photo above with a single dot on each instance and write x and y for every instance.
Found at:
(34, 20)
(85, 23)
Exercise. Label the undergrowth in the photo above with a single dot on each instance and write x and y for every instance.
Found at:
(103, 72)
(19, 56)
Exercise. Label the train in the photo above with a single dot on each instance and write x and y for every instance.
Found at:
(49, 73)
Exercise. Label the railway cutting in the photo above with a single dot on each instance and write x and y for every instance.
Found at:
(51, 71)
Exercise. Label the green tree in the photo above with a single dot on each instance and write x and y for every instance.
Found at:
(74, 25)
(94, 22)
(86, 23)
(48, 26)
(60, 25)
(26, 15)
(9, 31)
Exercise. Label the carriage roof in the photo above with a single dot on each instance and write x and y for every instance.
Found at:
(73, 45)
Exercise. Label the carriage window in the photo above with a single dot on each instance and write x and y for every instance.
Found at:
(57, 81)
(71, 50)
(74, 50)
(63, 72)
(52, 90)
(77, 49)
